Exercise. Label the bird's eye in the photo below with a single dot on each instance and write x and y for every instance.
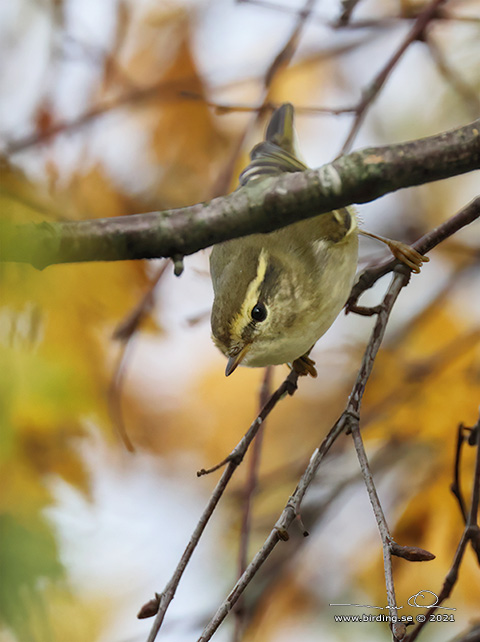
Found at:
(259, 312)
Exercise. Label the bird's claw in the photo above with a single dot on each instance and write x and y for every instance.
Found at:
(407, 255)
(304, 366)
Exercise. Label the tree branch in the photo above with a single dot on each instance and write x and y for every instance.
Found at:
(158, 606)
(260, 207)
(370, 276)
(251, 487)
(372, 91)
(470, 534)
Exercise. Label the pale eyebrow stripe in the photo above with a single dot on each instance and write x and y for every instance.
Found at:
(251, 296)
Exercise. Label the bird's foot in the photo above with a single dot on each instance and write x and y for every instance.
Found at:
(401, 251)
(407, 255)
(304, 366)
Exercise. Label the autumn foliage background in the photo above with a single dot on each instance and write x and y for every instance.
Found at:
(108, 109)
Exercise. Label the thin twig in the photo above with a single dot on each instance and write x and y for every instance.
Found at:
(231, 108)
(453, 77)
(398, 628)
(458, 272)
(373, 89)
(124, 332)
(251, 486)
(280, 61)
(464, 217)
(284, 57)
(470, 534)
(114, 394)
(132, 321)
(347, 9)
(162, 601)
(408, 385)
(456, 486)
(367, 23)
(168, 90)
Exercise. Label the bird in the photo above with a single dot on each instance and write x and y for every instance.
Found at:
(276, 294)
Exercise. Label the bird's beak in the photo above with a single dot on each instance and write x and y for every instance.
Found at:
(235, 361)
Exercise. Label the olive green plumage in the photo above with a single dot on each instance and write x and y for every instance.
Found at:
(276, 294)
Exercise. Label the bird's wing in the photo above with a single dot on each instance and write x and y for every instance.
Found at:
(268, 159)
(276, 154)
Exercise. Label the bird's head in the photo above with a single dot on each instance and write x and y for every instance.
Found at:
(255, 314)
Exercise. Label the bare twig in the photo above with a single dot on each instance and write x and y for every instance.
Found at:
(468, 435)
(368, 23)
(130, 324)
(161, 602)
(463, 89)
(455, 486)
(114, 395)
(168, 90)
(399, 336)
(347, 9)
(382, 527)
(280, 61)
(408, 385)
(249, 492)
(231, 108)
(125, 332)
(373, 89)
(464, 217)
(470, 534)
(285, 55)
(389, 546)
